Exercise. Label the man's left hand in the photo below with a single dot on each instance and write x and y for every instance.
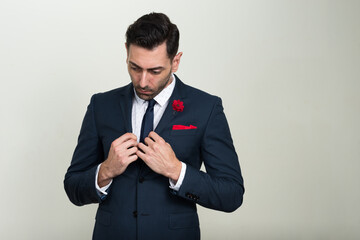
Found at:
(159, 156)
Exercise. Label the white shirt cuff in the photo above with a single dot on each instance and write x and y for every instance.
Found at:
(177, 186)
(101, 190)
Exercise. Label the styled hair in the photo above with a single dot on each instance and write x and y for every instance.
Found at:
(151, 30)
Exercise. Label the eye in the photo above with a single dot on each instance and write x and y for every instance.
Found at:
(136, 69)
(155, 72)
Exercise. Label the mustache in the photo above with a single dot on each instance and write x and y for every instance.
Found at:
(144, 88)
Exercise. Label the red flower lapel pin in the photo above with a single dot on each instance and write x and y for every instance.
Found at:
(178, 105)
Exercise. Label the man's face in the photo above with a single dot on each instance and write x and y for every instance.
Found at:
(150, 70)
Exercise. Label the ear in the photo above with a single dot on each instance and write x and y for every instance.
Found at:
(176, 62)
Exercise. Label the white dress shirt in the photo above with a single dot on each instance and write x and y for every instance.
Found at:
(139, 107)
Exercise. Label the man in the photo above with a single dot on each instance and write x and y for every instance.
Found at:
(147, 183)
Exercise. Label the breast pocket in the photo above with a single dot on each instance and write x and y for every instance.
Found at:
(186, 145)
(183, 132)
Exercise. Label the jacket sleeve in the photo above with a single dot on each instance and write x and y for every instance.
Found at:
(221, 186)
(79, 179)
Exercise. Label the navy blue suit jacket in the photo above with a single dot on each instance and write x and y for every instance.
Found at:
(140, 204)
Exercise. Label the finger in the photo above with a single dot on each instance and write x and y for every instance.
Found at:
(131, 151)
(126, 137)
(123, 138)
(129, 160)
(141, 155)
(142, 147)
(132, 158)
(129, 144)
(149, 141)
(156, 137)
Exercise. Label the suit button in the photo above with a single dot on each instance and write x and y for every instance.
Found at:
(141, 179)
(135, 214)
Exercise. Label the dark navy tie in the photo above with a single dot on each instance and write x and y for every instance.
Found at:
(148, 121)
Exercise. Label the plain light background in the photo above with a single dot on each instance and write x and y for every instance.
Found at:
(289, 76)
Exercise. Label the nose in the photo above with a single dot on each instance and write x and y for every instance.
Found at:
(143, 81)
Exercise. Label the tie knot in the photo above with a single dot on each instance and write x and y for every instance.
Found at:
(152, 103)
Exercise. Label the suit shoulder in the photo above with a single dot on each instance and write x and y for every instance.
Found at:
(114, 93)
(200, 94)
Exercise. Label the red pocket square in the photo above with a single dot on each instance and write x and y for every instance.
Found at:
(182, 127)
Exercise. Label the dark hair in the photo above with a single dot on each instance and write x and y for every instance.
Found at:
(151, 30)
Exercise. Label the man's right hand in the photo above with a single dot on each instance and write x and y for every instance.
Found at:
(122, 152)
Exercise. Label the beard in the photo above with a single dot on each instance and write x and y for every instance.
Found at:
(148, 93)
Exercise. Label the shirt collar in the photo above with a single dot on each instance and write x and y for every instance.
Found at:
(162, 97)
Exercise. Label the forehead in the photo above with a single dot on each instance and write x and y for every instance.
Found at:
(146, 58)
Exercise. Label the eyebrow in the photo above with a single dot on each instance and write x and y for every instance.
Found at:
(154, 68)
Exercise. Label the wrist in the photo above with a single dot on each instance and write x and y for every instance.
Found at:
(176, 173)
(104, 176)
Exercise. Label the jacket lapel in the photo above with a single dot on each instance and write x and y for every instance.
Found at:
(169, 114)
(125, 103)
